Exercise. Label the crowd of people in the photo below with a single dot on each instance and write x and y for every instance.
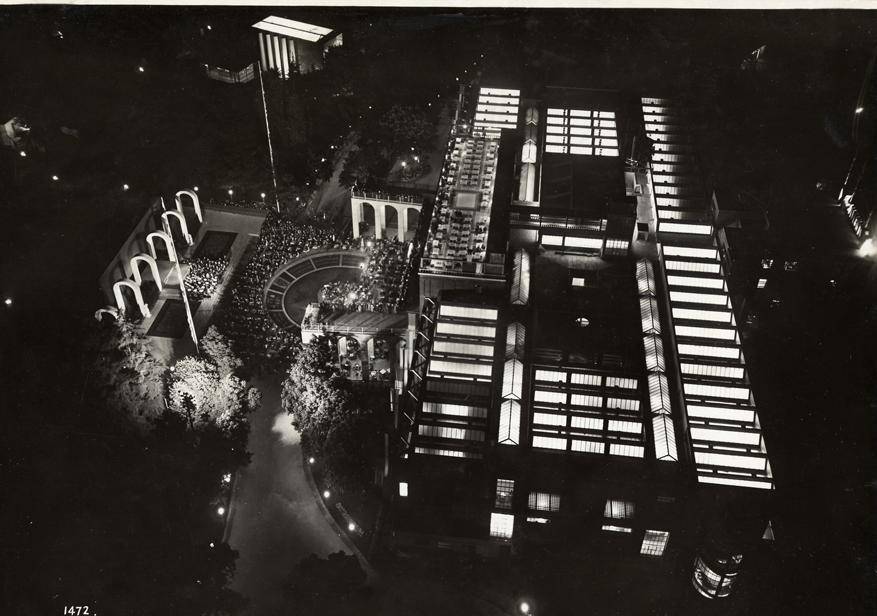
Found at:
(244, 319)
(204, 275)
(386, 274)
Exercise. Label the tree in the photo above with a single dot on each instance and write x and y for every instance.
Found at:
(334, 586)
(206, 391)
(124, 372)
(407, 127)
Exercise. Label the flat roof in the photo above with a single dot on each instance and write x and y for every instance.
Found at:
(292, 29)
(580, 186)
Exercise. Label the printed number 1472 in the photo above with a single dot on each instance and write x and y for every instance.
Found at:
(76, 610)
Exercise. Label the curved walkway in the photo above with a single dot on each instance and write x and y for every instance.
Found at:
(274, 518)
(296, 283)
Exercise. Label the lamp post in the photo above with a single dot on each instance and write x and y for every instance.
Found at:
(268, 134)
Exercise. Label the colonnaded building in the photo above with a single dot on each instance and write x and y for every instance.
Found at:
(577, 377)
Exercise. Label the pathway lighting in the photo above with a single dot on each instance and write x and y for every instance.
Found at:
(220, 510)
(263, 195)
(351, 527)
(212, 545)
(311, 460)
(524, 607)
(8, 301)
(230, 192)
(209, 27)
(23, 154)
(195, 188)
(326, 494)
(55, 178)
(141, 69)
(125, 187)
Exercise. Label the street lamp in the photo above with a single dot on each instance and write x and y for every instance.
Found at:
(23, 154)
(220, 510)
(141, 69)
(125, 187)
(860, 109)
(230, 192)
(8, 301)
(326, 494)
(351, 527)
(195, 188)
(55, 178)
(311, 460)
(524, 607)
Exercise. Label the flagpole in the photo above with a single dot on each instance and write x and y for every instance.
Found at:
(189, 317)
(268, 133)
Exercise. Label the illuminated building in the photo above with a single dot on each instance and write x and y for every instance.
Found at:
(577, 378)
(287, 46)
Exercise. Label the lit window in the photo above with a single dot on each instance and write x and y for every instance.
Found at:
(762, 282)
(619, 509)
(654, 543)
(550, 397)
(502, 525)
(538, 520)
(594, 380)
(589, 446)
(547, 442)
(631, 451)
(543, 501)
(551, 376)
(403, 488)
(505, 491)
(590, 401)
(617, 529)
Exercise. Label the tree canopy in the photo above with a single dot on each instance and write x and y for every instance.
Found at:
(206, 391)
(124, 372)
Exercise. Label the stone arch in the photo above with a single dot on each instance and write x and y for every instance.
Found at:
(195, 202)
(369, 214)
(168, 245)
(138, 296)
(110, 310)
(153, 266)
(413, 214)
(166, 216)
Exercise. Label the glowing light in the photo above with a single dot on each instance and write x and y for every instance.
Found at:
(860, 109)
(351, 527)
(326, 494)
(417, 159)
(524, 607)
(230, 192)
(351, 296)
(220, 510)
(125, 187)
(23, 154)
(195, 188)
(209, 27)
(311, 460)
(141, 69)
(868, 248)
(55, 178)
(263, 195)
(369, 243)
(322, 160)
(226, 478)
(404, 164)
(212, 545)
(8, 301)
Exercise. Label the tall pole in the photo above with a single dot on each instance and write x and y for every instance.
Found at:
(268, 133)
(189, 317)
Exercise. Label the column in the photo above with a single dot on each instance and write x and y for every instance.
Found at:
(380, 220)
(355, 215)
(403, 222)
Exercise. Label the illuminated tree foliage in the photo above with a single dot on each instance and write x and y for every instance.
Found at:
(206, 391)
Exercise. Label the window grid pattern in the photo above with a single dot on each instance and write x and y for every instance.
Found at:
(654, 543)
(726, 436)
(502, 525)
(664, 440)
(461, 358)
(582, 132)
(505, 493)
(585, 412)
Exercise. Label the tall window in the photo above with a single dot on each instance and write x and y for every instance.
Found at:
(619, 509)
(543, 501)
(654, 542)
(505, 491)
